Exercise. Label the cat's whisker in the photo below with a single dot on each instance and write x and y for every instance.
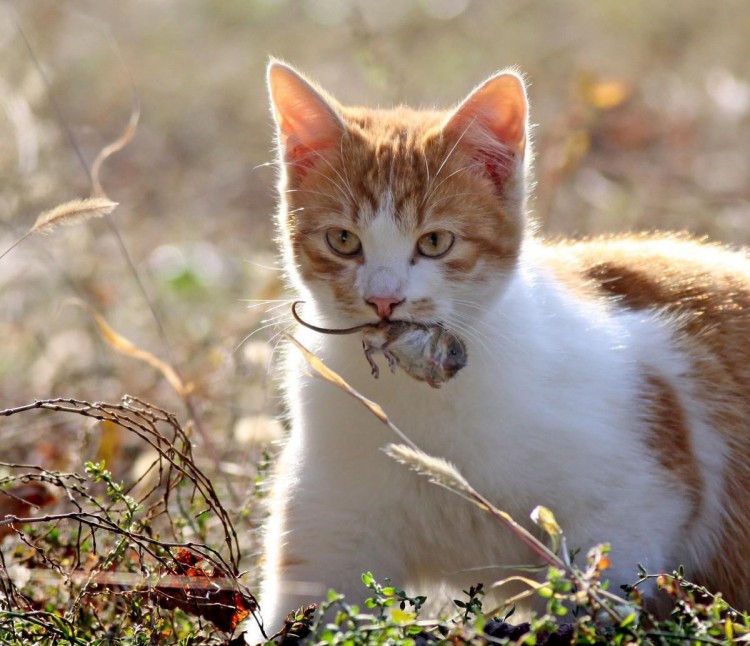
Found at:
(489, 324)
(347, 194)
(269, 267)
(474, 304)
(430, 189)
(464, 328)
(456, 172)
(495, 313)
(266, 164)
(257, 302)
(276, 340)
(451, 196)
(338, 174)
(245, 339)
(492, 333)
(310, 191)
(471, 334)
(265, 324)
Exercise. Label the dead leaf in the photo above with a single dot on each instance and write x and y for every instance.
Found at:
(203, 592)
(127, 347)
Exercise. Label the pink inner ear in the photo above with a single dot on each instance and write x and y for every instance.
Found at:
(306, 121)
(491, 125)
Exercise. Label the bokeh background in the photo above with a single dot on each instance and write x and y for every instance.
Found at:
(643, 113)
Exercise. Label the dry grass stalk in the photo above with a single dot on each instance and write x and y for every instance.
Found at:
(438, 470)
(73, 212)
(66, 214)
(337, 380)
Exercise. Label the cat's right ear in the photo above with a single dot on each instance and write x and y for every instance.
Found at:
(307, 122)
(491, 126)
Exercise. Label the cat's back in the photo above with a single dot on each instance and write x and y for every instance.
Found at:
(702, 291)
(703, 288)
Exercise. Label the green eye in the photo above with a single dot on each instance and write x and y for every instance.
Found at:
(343, 242)
(435, 243)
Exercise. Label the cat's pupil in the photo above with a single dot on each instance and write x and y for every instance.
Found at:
(343, 242)
(434, 239)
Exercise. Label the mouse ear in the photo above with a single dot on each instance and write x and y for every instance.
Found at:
(491, 124)
(307, 121)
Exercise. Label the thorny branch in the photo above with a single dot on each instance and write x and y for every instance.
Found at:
(116, 542)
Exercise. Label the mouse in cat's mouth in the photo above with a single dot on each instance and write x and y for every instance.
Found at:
(428, 353)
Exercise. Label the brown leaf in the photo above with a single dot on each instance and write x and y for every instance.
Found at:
(204, 593)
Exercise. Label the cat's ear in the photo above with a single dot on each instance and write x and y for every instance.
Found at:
(491, 124)
(306, 120)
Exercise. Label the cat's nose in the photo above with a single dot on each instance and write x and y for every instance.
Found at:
(384, 305)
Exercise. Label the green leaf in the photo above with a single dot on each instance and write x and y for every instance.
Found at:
(628, 621)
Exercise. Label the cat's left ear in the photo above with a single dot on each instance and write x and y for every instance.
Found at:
(492, 122)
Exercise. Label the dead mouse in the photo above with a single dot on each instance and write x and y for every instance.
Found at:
(427, 353)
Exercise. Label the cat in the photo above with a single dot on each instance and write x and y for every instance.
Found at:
(608, 379)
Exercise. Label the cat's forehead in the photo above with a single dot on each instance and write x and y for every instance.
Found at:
(390, 158)
(402, 123)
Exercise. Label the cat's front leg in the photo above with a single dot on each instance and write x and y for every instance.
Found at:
(311, 548)
(293, 583)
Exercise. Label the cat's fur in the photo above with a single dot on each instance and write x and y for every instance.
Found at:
(608, 379)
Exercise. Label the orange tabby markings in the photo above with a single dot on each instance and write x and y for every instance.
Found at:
(707, 290)
(668, 436)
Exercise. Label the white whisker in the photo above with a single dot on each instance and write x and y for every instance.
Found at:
(465, 328)
(333, 168)
(429, 190)
(257, 264)
(455, 172)
(276, 339)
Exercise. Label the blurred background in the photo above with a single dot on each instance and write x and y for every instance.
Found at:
(643, 113)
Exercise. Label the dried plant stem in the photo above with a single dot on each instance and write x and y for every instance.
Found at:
(67, 214)
(443, 473)
(143, 420)
(123, 543)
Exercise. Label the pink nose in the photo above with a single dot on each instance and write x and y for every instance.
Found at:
(383, 305)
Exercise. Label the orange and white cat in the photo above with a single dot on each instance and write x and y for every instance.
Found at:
(608, 379)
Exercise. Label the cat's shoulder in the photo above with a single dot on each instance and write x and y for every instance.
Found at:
(654, 270)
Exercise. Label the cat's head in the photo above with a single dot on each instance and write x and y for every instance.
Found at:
(402, 214)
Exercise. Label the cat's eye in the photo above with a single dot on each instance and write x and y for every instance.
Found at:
(343, 242)
(435, 243)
